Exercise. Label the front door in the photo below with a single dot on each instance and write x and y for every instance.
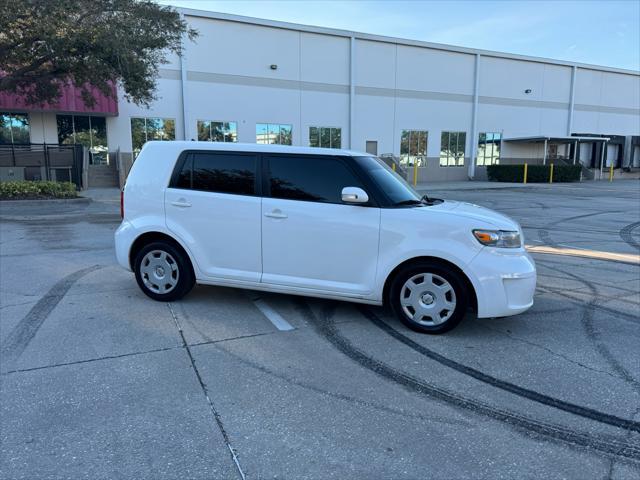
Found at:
(213, 207)
(310, 239)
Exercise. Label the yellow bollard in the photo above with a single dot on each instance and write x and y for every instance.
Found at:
(551, 173)
(611, 173)
(525, 173)
(393, 166)
(415, 173)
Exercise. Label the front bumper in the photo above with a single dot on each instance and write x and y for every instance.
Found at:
(504, 280)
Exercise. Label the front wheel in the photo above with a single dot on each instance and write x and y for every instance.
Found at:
(163, 272)
(429, 297)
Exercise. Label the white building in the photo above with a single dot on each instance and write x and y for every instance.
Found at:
(252, 80)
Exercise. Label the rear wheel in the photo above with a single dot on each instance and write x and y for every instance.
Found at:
(429, 297)
(163, 271)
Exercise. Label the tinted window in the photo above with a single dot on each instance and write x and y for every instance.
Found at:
(315, 179)
(219, 172)
(387, 180)
(184, 177)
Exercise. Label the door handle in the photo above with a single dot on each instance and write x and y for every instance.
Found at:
(277, 213)
(182, 203)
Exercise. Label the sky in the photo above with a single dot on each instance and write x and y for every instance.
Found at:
(597, 32)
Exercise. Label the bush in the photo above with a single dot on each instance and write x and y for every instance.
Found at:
(535, 173)
(35, 190)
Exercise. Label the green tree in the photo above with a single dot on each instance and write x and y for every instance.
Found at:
(45, 44)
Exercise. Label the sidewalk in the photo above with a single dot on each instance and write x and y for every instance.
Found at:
(478, 185)
(471, 185)
(104, 195)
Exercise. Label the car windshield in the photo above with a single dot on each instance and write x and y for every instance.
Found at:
(392, 184)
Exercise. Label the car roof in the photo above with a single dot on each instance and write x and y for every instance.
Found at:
(254, 147)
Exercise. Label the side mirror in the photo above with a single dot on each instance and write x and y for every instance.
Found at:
(354, 195)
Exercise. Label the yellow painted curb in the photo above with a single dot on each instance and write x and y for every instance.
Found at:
(575, 252)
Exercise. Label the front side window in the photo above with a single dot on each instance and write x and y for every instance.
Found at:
(413, 147)
(452, 148)
(313, 178)
(272, 134)
(146, 129)
(88, 131)
(325, 137)
(388, 181)
(14, 128)
(488, 148)
(217, 131)
(219, 172)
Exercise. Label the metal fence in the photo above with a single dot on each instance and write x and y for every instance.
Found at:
(41, 161)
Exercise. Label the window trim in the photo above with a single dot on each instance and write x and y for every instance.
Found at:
(448, 157)
(484, 157)
(344, 160)
(309, 127)
(280, 125)
(216, 121)
(28, 125)
(73, 127)
(185, 156)
(146, 133)
(423, 158)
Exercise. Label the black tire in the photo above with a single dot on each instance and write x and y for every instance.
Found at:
(439, 272)
(182, 278)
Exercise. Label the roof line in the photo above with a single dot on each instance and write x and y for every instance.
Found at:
(399, 41)
(556, 137)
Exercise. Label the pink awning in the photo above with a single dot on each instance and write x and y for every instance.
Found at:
(70, 101)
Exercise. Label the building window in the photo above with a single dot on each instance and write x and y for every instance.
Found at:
(413, 147)
(452, 147)
(217, 131)
(268, 133)
(488, 148)
(325, 137)
(14, 128)
(147, 129)
(90, 132)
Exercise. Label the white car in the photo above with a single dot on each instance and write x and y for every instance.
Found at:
(319, 222)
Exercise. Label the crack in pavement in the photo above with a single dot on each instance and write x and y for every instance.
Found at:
(553, 353)
(131, 354)
(203, 386)
(90, 360)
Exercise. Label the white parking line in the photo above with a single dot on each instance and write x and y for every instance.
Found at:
(273, 316)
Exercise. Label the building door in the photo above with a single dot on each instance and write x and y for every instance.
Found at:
(372, 147)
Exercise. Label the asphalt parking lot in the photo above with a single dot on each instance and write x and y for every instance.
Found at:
(98, 381)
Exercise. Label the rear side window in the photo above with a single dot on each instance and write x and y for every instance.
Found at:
(312, 178)
(218, 172)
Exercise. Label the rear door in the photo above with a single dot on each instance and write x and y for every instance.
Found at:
(213, 205)
(310, 239)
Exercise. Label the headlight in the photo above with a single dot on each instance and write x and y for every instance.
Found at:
(498, 238)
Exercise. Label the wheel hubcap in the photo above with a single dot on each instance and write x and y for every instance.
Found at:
(428, 299)
(159, 271)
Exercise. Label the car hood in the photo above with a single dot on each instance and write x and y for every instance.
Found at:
(484, 216)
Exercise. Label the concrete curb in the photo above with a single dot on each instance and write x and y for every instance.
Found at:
(42, 202)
